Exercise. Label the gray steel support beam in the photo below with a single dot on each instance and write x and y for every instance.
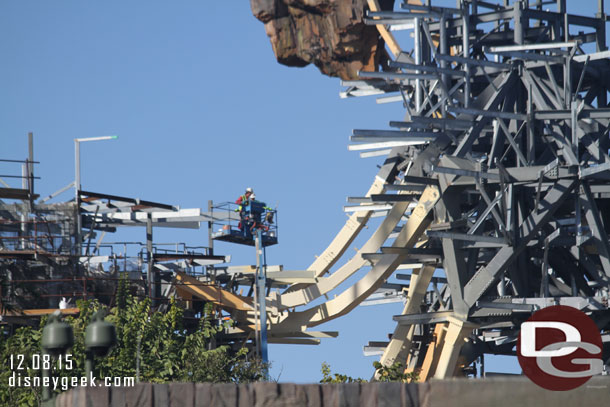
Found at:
(600, 237)
(149, 259)
(456, 272)
(466, 53)
(487, 275)
(488, 99)
(418, 61)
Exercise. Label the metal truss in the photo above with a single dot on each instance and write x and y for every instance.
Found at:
(507, 114)
(496, 177)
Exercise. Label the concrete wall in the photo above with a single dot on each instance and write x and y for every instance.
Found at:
(497, 392)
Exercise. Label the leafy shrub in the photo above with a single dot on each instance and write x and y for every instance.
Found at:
(394, 373)
(152, 346)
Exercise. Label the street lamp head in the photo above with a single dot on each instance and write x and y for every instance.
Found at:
(80, 140)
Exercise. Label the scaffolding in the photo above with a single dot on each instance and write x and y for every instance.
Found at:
(54, 254)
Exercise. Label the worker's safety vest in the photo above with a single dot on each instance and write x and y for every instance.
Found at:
(244, 199)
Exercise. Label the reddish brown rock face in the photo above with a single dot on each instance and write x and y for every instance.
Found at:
(330, 34)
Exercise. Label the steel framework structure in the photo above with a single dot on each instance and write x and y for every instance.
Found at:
(498, 175)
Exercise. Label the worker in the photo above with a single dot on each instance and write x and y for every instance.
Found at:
(244, 199)
(269, 216)
(242, 202)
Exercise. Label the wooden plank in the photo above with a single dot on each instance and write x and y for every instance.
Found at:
(213, 294)
(38, 312)
(387, 36)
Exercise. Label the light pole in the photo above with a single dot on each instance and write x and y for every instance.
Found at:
(77, 185)
(260, 280)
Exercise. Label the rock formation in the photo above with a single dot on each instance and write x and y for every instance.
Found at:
(330, 34)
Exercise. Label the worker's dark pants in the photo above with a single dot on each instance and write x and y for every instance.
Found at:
(245, 225)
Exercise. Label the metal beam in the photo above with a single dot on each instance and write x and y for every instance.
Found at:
(485, 276)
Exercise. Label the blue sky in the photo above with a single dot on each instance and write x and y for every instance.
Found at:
(202, 110)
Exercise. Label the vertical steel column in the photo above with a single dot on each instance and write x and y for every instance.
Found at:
(77, 233)
(418, 59)
(567, 81)
(211, 269)
(566, 24)
(600, 42)
(257, 337)
(544, 283)
(261, 291)
(518, 21)
(443, 44)
(531, 138)
(149, 262)
(31, 165)
(578, 220)
(600, 38)
(574, 122)
(466, 52)
(24, 210)
(210, 228)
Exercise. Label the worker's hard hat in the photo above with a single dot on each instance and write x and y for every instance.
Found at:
(249, 190)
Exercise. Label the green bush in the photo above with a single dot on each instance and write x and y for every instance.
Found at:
(394, 373)
(327, 377)
(153, 346)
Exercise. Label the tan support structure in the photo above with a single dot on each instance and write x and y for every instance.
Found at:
(384, 32)
(433, 352)
(409, 235)
(457, 332)
(346, 235)
(400, 345)
(308, 294)
(301, 294)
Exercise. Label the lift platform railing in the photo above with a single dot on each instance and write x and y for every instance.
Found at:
(240, 223)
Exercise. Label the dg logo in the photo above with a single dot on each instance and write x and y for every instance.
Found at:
(560, 348)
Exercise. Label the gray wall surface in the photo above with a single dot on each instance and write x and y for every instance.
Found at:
(496, 392)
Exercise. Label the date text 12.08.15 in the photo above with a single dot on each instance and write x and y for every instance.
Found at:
(43, 361)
